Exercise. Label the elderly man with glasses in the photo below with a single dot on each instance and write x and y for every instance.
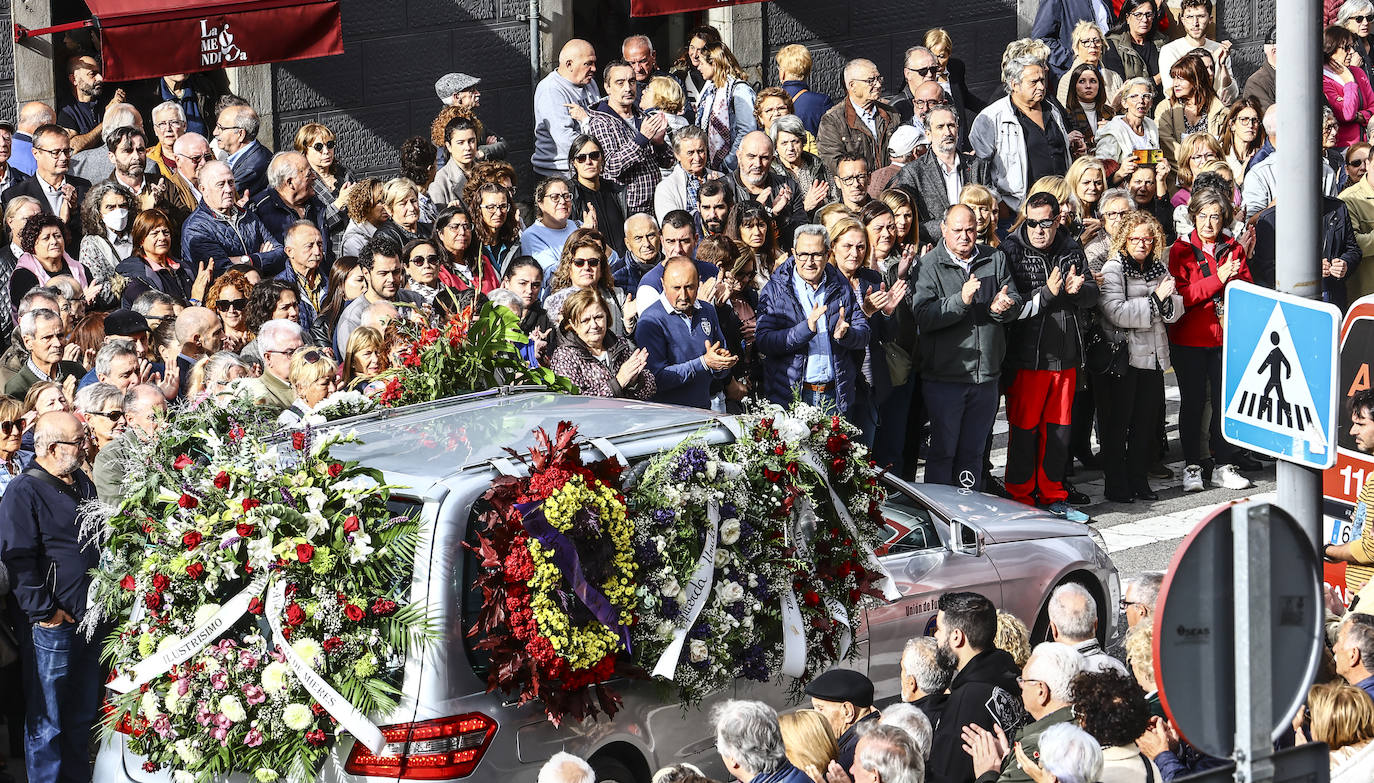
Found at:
(237, 134)
(861, 125)
(58, 192)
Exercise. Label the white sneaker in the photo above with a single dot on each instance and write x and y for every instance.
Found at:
(1192, 478)
(1227, 477)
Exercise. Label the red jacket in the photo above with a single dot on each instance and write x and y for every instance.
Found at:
(490, 281)
(1199, 327)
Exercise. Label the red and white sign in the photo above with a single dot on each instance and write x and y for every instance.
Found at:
(660, 7)
(1341, 482)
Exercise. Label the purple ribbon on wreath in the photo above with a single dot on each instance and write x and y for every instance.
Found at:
(570, 567)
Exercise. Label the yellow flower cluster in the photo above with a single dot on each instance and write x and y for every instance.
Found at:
(584, 646)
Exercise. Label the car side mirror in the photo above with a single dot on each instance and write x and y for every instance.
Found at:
(965, 539)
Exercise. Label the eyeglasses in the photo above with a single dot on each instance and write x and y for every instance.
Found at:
(1046, 223)
(581, 262)
(11, 427)
(872, 81)
(1092, 43)
(928, 71)
(321, 146)
(587, 157)
(1116, 214)
(198, 159)
(1128, 604)
(165, 124)
(231, 304)
(1248, 120)
(557, 197)
(113, 416)
(219, 127)
(809, 256)
(458, 225)
(1141, 240)
(1024, 680)
(78, 442)
(499, 207)
(1143, 15)
(853, 179)
(62, 153)
(423, 260)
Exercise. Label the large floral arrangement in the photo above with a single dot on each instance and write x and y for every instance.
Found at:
(472, 349)
(558, 580)
(753, 565)
(253, 579)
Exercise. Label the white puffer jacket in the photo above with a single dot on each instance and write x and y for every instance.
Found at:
(1128, 314)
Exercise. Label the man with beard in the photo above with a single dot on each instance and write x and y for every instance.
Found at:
(632, 143)
(128, 152)
(757, 180)
(1047, 694)
(81, 116)
(679, 238)
(714, 200)
(984, 690)
(937, 177)
(50, 569)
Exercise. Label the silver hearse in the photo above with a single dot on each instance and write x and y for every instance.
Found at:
(449, 727)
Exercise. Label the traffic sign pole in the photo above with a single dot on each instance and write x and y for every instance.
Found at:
(1250, 559)
(1298, 178)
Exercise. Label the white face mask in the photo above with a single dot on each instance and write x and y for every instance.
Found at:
(116, 219)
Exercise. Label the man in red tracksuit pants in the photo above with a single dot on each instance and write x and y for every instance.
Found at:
(1044, 352)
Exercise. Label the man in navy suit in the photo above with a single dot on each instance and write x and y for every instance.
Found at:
(237, 134)
(674, 329)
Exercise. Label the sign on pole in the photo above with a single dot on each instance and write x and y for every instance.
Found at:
(1279, 374)
(1342, 481)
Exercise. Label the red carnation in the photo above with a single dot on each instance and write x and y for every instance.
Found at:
(295, 615)
(779, 450)
(811, 598)
(255, 605)
(792, 468)
(187, 501)
(854, 596)
(351, 525)
(221, 480)
(315, 737)
(183, 462)
(335, 469)
(837, 465)
(836, 444)
(152, 600)
(354, 613)
(251, 503)
(245, 530)
(835, 423)
(304, 552)
(298, 440)
(317, 708)
(149, 766)
(127, 582)
(383, 607)
(332, 643)
(194, 570)
(160, 582)
(191, 540)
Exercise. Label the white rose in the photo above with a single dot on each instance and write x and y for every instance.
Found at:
(232, 708)
(729, 592)
(729, 531)
(699, 651)
(182, 776)
(297, 717)
(274, 677)
(792, 430)
(211, 665)
(670, 588)
(722, 557)
(747, 622)
(187, 751)
(665, 629)
(660, 543)
(711, 470)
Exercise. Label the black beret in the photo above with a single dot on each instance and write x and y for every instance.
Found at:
(125, 323)
(841, 685)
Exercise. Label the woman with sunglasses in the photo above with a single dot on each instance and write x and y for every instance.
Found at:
(102, 406)
(313, 377)
(12, 426)
(422, 261)
(496, 230)
(545, 239)
(462, 266)
(1357, 16)
(366, 212)
(584, 266)
(598, 202)
(1242, 136)
(599, 362)
(228, 297)
(333, 181)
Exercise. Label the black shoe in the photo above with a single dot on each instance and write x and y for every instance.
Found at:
(1160, 471)
(1244, 462)
(1123, 498)
(1145, 493)
(994, 486)
(1077, 498)
(1089, 460)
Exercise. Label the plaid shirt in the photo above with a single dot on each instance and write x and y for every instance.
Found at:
(630, 159)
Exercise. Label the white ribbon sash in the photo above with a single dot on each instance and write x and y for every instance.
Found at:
(871, 561)
(697, 593)
(842, 617)
(197, 640)
(357, 724)
(793, 636)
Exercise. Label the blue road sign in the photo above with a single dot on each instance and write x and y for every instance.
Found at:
(1279, 374)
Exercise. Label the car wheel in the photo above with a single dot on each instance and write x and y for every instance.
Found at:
(611, 770)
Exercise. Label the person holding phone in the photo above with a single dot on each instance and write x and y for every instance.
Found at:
(1131, 138)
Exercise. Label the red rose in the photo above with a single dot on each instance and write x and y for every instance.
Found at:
(837, 465)
(245, 530)
(183, 462)
(255, 605)
(251, 503)
(811, 598)
(331, 644)
(295, 615)
(854, 596)
(351, 525)
(152, 600)
(149, 766)
(290, 590)
(304, 552)
(835, 423)
(335, 469)
(383, 607)
(354, 613)
(298, 440)
(191, 540)
(187, 501)
(160, 582)
(127, 582)
(779, 450)
(194, 570)
(221, 480)
(836, 444)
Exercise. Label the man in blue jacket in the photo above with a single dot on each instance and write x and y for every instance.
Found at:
(810, 328)
(220, 230)
(50, 568)
(674, 329)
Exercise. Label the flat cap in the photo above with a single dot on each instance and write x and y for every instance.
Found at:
(451, 83)
(841, 685)
(124, 323)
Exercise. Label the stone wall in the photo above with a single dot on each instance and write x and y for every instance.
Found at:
(8, 110)
(1245, 23)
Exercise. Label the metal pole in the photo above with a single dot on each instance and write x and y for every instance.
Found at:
(1252, 613)
(534, 43)
(1299, 179)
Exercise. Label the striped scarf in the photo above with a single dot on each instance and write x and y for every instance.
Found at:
(718, 134)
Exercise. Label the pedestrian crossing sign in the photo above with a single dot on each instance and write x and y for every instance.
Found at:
(1278, 374)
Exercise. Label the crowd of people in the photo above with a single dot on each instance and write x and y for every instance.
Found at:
(910, 260)
(980, 704)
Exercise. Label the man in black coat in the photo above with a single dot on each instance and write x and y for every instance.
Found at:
(844, 698)
(56, 191)
(237, 133)
(984, 691)
(1340, 251)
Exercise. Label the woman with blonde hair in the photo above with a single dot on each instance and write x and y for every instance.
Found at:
(809, 742)
(313, 377)
(333, 181)
(1194, 152)
(12, 426)
(1089, 44)
(402, 199)
(664, 95)
(984, 206)
(1086, 181)
(364, 358)
(726, 108)
(1342, 716)
(1054, 185)
(1013, 636)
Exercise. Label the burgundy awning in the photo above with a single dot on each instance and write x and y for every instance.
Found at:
(659, 7)
(147, 38)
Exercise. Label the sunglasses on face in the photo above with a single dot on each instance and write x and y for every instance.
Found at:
(321, 146)
(1361, 19)
(113, 416)
(587, 157)
(231, 304)
(928, 71)
(424, 260)
(581, 262)
(1046, 223)
(1358, 162)
(12, 427)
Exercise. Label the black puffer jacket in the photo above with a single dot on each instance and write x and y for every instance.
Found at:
(1048, 335)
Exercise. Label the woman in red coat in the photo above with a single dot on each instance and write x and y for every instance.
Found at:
(1203, 263)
